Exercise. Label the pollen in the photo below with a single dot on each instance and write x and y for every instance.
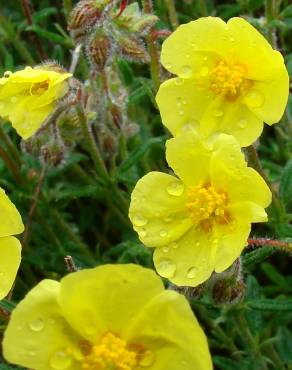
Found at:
(227, 79)
(206, 204)
(39, 88)
(112, 353)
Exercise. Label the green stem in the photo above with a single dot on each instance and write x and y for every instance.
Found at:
(10, 146)
(152, 49)
(11, 165)
(203, 7)
(172, 13)
(91, 144)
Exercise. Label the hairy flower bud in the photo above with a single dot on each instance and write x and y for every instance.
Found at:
(229, 290)
(133, 49)
(99, 50)
(86, 13)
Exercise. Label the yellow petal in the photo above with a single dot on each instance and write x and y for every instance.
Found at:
(106, 298)
(10, 219)
(37, 336)
(182, 103)
(233, 118)
(251, 48)
(191, 45)
(232, 237)
(230, 173)
(168, 329)
(10, 257)
(268, 99)
(189, 157)
(190, 261)
(157, 209)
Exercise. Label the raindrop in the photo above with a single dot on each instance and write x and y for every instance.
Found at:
(165, 249)
(255, 99)
(242, 123)
(192, 272)
(186, 71)
(60, 360)
(37, 325)
(139, 220)
(13, 99)
(142, 233)
(166, 268)
(168, 219)
(147, 359)
(181, 112)
(179, 81)
(163, 233)
(174, 245)
(217, 112)
(175, 188)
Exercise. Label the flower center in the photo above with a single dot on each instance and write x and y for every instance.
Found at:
(39, 88)
(227, 79)
(206, 204)
(112, 353)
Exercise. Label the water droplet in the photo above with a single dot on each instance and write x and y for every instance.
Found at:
(168, 219)
(192, 272)
(168, 65)
(166, 268)
(194, 45)
(163, 233)
(197, 244)
(174, 245)
(28, 68)
(13, 99)
(60, 360)
(142, 233)
(175, 188)
(255, 99)
(204, 71)
(179, 81)
(181, 112)
(165, 249)
(147, 359)
(37, 325)
(232, 39)
(179, 101)
(217, 112)
(186, 71)
(7, 74)
(205, 59)
(242, 123)
(139, 220)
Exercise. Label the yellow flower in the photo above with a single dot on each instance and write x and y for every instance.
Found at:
(29, 96)
(111, 317)
(10, 248)
(200, 221)
(229, 79)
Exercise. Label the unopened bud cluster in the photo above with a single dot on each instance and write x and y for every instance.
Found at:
(105, 30)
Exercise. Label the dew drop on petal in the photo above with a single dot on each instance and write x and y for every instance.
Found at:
(163, 233)
(175, 188)
(217, 112)
(147, 359)
(174, 245)
(192, 272)
(255, 99)
(179, 81)
(142, 233)
(242, 123)
(168, 219)
(37, 325)
(60, 360)
(186, 71)
(166, 268)
(139, 220)
(165, 249)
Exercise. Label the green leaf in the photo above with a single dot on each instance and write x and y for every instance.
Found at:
(285, 190)
(138, 153)
(270, 304)
(7, 305)
(274, 276)
(75, 192)
(52, 36)
(257, 256)
(43, 13)
(284, 344)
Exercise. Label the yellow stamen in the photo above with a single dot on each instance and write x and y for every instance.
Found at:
(206, 204)
(227, 79)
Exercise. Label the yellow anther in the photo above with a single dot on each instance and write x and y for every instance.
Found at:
(204, 203)
(111, 353)
(227, 79)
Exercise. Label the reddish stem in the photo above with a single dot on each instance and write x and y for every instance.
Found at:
(161, 33)
(122, 7)
(259, 242)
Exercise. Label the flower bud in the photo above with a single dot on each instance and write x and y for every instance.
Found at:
(133, 49)
(229, 290)
(99, 50)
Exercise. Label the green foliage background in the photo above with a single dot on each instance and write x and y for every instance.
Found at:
(79, 215)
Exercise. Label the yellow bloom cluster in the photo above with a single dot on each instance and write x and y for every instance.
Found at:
(10, 247)
(229, 81)
(29, 96)
(111, 317)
